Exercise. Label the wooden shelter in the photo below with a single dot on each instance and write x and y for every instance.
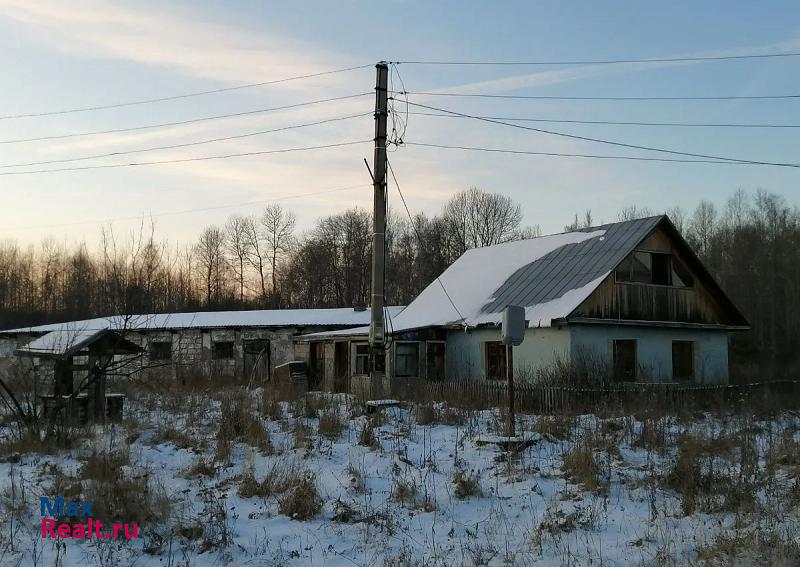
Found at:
(86, 354)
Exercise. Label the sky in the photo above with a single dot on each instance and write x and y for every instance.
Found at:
(57, 55)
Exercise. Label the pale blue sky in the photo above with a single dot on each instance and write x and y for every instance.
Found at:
(57, 55)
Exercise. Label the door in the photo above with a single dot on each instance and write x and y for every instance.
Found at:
(256, 360)
(341, 366)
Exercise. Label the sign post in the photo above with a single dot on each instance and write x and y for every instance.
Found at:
(512, 334)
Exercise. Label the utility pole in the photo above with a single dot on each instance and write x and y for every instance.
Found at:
(377, 326)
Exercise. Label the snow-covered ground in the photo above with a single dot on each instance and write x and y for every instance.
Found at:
(395, 500)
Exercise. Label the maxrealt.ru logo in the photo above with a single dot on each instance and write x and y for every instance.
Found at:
(78, 511)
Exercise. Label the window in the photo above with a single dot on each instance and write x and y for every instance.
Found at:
(680, 275)
(434, 360)
(406, 360)
(362, 359)
(496, 361)
(653, 268)
(625, 360)
(682, 360)
(161, 350)
(222, 350)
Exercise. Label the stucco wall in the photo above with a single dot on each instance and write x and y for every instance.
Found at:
(541, 347)
(654, 349)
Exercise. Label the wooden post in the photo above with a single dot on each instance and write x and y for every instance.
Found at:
(511, 427)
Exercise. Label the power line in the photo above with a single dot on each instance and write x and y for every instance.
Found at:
(607, 61)
(187, 144)
(419, 237)
(181, 96)
(620, 123)
(183, 122)
(611, 98)
(185, 160)
(188, 211)
(603, 141)
(563, 154)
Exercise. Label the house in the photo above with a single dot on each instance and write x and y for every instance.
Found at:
(630, 298)
(248, 344)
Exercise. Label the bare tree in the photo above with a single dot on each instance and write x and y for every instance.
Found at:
(210, 253)
(476, 218)
(237, 244)
(278, 226)
(633, 212)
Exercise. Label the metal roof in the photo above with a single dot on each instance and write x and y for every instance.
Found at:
(549, 275)
(275, 318)
(571, 266)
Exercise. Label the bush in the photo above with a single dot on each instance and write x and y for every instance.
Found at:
(238, 422)
(555, 426)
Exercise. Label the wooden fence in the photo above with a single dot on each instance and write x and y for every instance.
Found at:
(529, 398)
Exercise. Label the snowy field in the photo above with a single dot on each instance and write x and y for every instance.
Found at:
(225, 477)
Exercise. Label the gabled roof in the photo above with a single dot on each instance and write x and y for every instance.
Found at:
(344, 317)
(549, 275)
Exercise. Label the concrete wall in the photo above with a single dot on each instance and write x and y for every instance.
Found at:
(541, 347)
(654, 349)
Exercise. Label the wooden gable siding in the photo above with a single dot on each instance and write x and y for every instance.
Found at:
(646, 302)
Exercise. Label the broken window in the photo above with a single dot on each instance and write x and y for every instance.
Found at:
(654, 268)
(496, 360)
(660, 271)
(680, 274)
(625, 359)
(406, 360)
(161, 350)
(682, 360)
(362, 359)
(222, 350)
(434, 360)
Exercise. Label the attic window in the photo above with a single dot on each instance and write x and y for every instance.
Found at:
(654, 268)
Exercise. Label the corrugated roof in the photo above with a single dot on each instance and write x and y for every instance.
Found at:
(550, 276)
(342, 317)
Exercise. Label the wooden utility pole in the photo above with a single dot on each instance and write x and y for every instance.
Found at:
(377, 327)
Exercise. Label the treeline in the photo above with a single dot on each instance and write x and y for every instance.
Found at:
(751, 244)
(250, 262)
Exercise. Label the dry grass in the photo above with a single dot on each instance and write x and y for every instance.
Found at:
(301, 500)
(581, 467)
(715, 474)
(466, 484)
(554, 426)
(366, 436)
(171, 435)
(104, 467)
(239, 422)
(200, 468)
(331, 424)
(754, 548)
(426, 414)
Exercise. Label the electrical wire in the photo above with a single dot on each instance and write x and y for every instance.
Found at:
(187, 211)
(562, 154)
(608, 61)
(188, 144)
(183, 122)
(619, 123)
(419, 238)
(185, 160)
(181, 96)
(611, 98)
(607, 142)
